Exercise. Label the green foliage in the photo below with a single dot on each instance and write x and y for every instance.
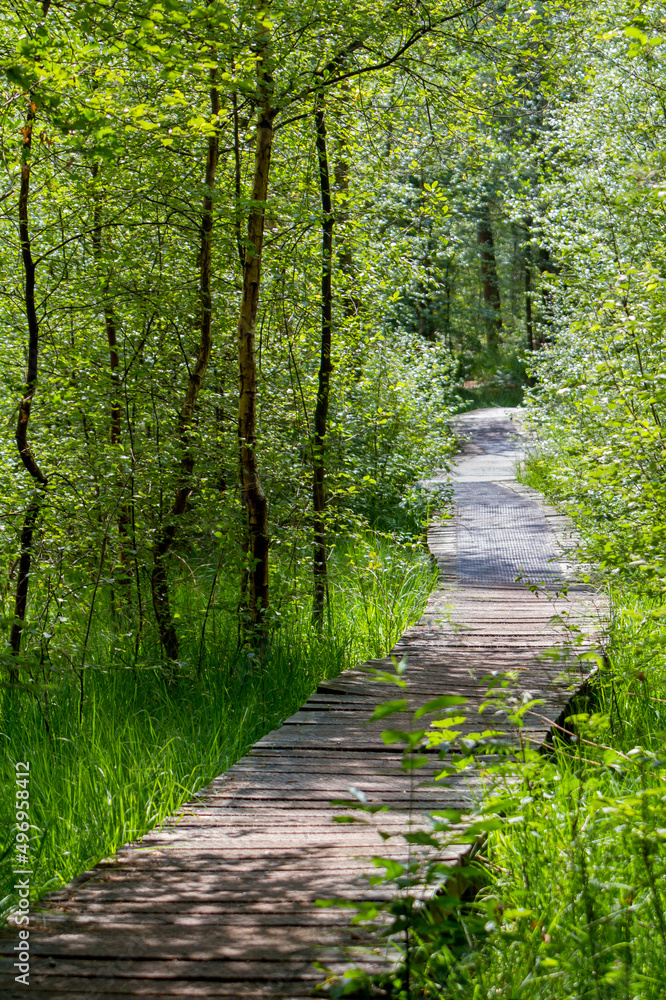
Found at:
(567, 899)
(440, 117)
(104, 771)
(564, 898)
(575, 900)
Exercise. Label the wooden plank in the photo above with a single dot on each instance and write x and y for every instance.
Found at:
(227, 943)
(219, 901)
(104, 988)
(232, 971)
(110, 989)
(262, 915)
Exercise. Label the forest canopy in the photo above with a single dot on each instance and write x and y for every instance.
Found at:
(237, 279)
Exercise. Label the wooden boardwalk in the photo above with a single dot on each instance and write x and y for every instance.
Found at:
(220, 900)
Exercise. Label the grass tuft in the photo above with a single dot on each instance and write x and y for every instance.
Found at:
(141, 746)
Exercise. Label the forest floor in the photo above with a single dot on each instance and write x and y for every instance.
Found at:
(221, 900)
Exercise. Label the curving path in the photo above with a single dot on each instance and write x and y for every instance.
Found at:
(219, 901)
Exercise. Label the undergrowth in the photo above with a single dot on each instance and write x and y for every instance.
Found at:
(566, 896)
(117, 746)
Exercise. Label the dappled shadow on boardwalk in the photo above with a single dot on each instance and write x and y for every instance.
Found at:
(220, 900)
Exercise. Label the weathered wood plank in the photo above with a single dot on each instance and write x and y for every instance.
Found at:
(232, 971)
(103, 988)
(220, 901)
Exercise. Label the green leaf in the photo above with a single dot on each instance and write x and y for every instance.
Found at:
(420, 837)
(391, 736)
(633, 32)
(384, 677)
(446, 701)
(388, 708)
(448, 815)
(484, 826)
(393, 868)
(413, 763)
(360, 806)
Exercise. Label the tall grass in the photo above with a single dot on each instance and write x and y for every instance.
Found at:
(107, 766)
(567, 897)
(576, 897)
(575, 893)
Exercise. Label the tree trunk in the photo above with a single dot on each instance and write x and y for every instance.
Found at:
(167, 533)
(529, 326)
(25, 405)
(489, 280)
(254, 498)
(350, 304)
(115, 415)
(237, 182)
(546, 266)
(319, 567)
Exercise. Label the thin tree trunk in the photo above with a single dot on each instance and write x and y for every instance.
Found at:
(115, 421)
(109, 322)
(448, 283)
(319, 567)
(244, 540)
(529, 326)
(351, 305)
(341, 174)
(237, 182)
(546, 266)
(254, 498)
(167, 533)
(25, 405)
(489, 280)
